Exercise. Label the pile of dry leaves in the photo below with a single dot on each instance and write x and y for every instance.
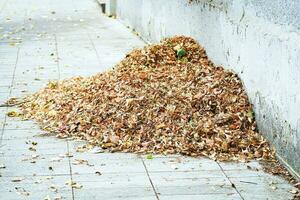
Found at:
(165, 98)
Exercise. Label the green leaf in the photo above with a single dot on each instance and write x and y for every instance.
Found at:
(181, 52)
(150, 157)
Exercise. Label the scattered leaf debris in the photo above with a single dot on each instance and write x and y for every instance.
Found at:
(22, 191)
(73, 184)
(81, 162)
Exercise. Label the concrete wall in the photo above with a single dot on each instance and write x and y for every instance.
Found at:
(258, 39)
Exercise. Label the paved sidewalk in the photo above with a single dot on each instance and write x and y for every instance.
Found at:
(42, 40)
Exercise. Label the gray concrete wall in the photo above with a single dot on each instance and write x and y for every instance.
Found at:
(258, 39)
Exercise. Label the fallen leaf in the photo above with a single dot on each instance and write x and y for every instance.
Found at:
(293, 191)
(17, 179)
(73, 184)
(13, 114)
(149, 157)
(98, 173)
(22, 191)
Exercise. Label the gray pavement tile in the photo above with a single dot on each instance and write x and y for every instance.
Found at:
(191, 183)
(244, 173)
(14, 123)
(3, 97)
(35, 77)
(201, 188)
(30, 85)
(123, 192)
(33, 81)
(179, 177)
(71, 37)
(74, 145)
(180, 164)
(4, 90)
(266, 180)
(232, 196)
(5, 84)
(112, 180)
(38, 187)
(130, 198)
(6, 81)
(8, 61)
(44, 145)
(263, 187)
(254, 165)
(15, 195)
(262, 179)
(105, 164)
(34, 164)
(12, 134)
(184, 181)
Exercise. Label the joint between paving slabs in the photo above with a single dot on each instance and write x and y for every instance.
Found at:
(70, 167)
(232, 184)
(94, 47)
(9, 95)
(152, 185)
(57, 57)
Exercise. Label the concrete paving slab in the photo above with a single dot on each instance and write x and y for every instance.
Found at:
(4, 97)
(252, 165)
(202, 196)
(24, 146)
(262, 188)
(203, 188)
(35, 187)
(108, 180)
(14, 134)
(192, 177)
(107, 165)
(180, 164)
(115, 193)
(17, 124)
(47, 165)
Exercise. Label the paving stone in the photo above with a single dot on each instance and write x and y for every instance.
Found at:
(38, 187)
(180, 164)
(108, 180)
(201, 188)
(123, 192)
(15, 123)
(254, 165)
(105, 164)
(27, 134)
(165, 178)
(45, 145)
(244, 173)
(3, 98)
(23, 166)
(263, 188)
(232, 196)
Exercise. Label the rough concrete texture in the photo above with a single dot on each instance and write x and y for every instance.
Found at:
(260, 40)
